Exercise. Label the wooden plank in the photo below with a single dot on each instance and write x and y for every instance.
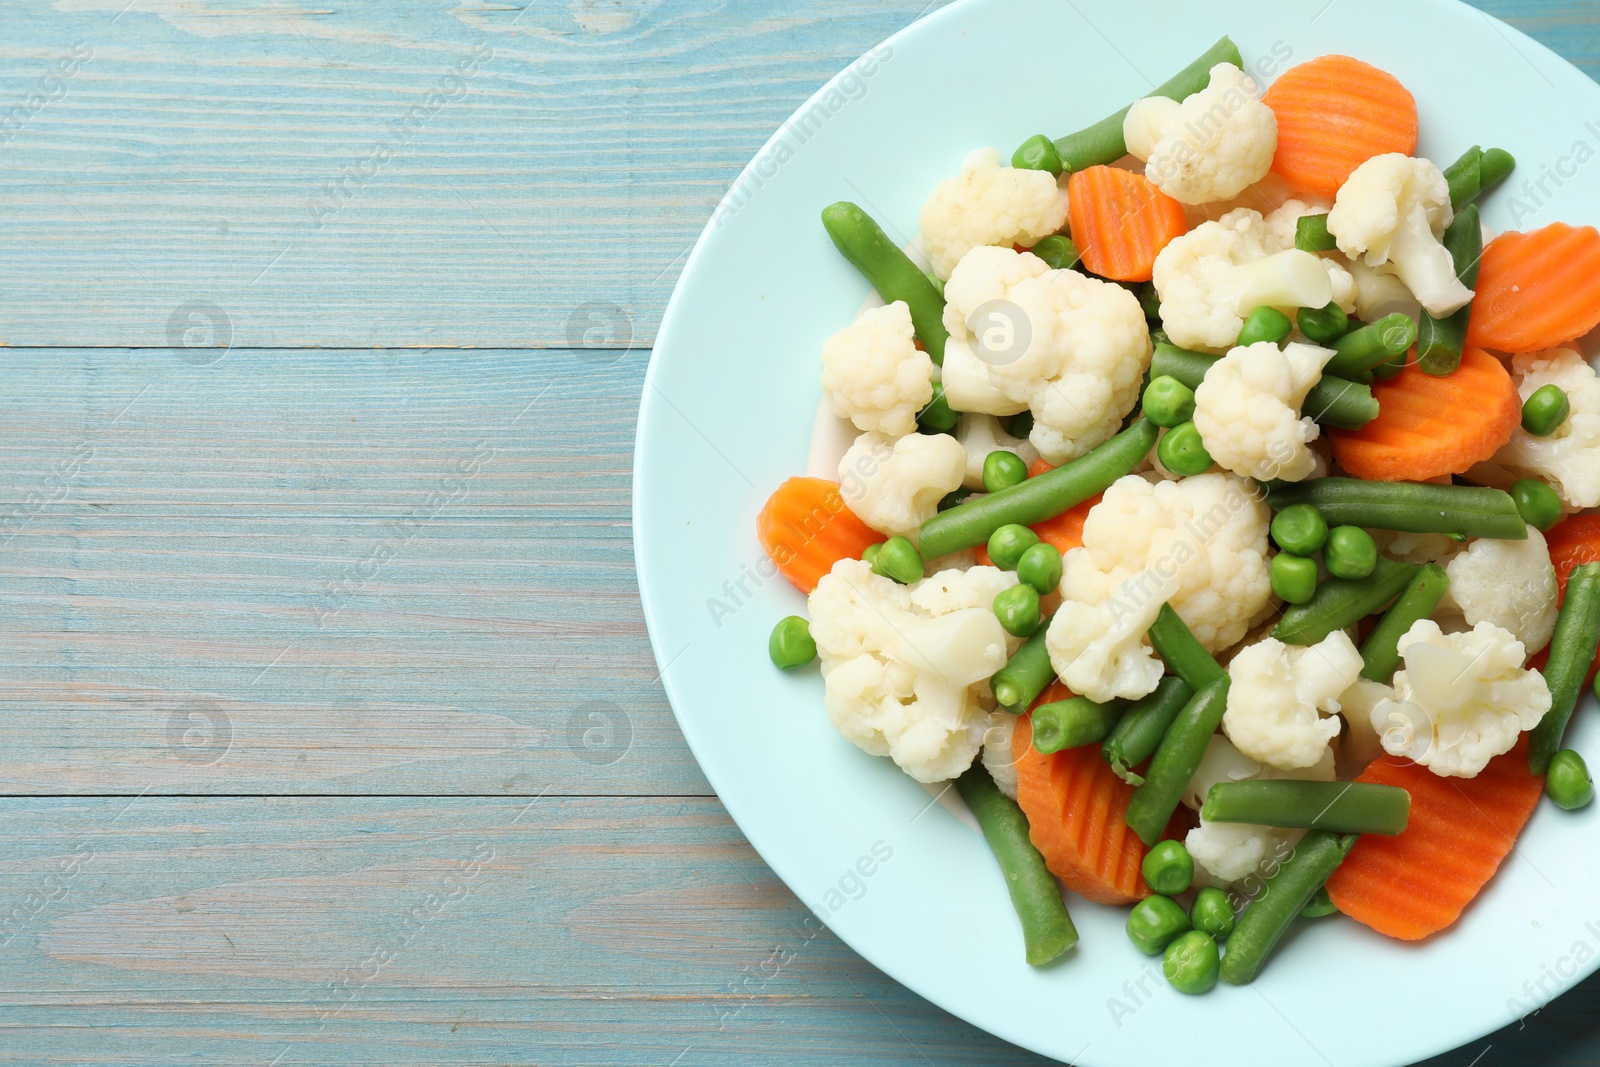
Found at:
(452, 931)
(324, 571)
(270, 159)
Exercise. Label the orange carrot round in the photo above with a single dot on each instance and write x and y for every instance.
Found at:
(806, 529)
(1419, 881)
(1121, 222)
(1537, 290)
(1334, 114)
(1428, 427)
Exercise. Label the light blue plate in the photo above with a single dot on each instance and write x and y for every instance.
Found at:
(727, 414)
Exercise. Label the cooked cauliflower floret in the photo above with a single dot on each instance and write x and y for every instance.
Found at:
(968, 385)
(1414, 547)
(1279, 693)
(980, 435)
(1229, 853)
(895, 488)
(1461, 700)
(1359, 744)
(1212, 277)
(953, 590)
(1391, 212)
(1509, 583)
(1282, 225)
(987, 204)
(1200, 543)
(1569, 458)
(1072, 348)
(1248, 410)
(1214, 145)
(873, 373)
(997, 757)
(1379, 294)
(899, 680)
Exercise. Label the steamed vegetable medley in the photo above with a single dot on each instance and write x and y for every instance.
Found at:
(1218, 519)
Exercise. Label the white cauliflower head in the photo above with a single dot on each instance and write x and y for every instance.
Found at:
(1359, 744)
(997, 757)
(981, 435)
(1073, 348)
(1199, 543)
(1282, 227)
(1226, 854)
(1213, 276)
(1248, 410)
(1391, 212)
(1509, 583)
(1461, 700)
(873, 373)
(1568, 459)
(968, 385)
(1278, 695)
(900, 680)
(987, 204)
(1214, 145)
(1379, 294)
(896, 487)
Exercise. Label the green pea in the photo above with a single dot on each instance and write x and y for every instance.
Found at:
(1567, 781)
(1038, 153)
(1545, 411)
(1168, 868)
(1319, 905)
(1019, 425)
(1294, 578)
(938, 416)
(1168, 402)
(1154, 922)
(900, 560)
(790, 645)
(1002, 470)
(870, 555)
(1212, 913)
(1301, 529)
(1017, 609)
(1182, 451)
(1324, 325)
(1191, 963)
(1537, 503)
(1350, 552)
(1007, 544)
(1057, 251)
(1040, 567)
(1265, 324)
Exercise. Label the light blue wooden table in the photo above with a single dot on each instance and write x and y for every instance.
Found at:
(329, 730)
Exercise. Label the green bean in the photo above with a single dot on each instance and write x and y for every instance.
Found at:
(1037, 153)
(1341, 602)
(1103, 143)
(1477, 172)
(1319, 905)
(1333, 401)
(1025, 675)
(1339, 807)
(1175, 762)
(889, 270)
(1411, 507)
(1047, 929)
(1183, 655)
(1440, 341)
(1073, 723)
(1372, 346)
(1380, 654)
(1289, 889)
(1140, 730)
(1041, 498)
(1311, 234)
(1149, 300)
(938, 416)
(1572, 649)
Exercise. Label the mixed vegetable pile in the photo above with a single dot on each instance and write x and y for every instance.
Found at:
(1217, 515)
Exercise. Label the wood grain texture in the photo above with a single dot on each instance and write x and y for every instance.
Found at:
(311, 571)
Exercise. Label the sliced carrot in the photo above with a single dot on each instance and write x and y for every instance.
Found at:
(806, 529)
(1075, 806)
(1427, 426)
(1537, 290)
(1121, 222)
(1334, 114)
(1418, 882)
